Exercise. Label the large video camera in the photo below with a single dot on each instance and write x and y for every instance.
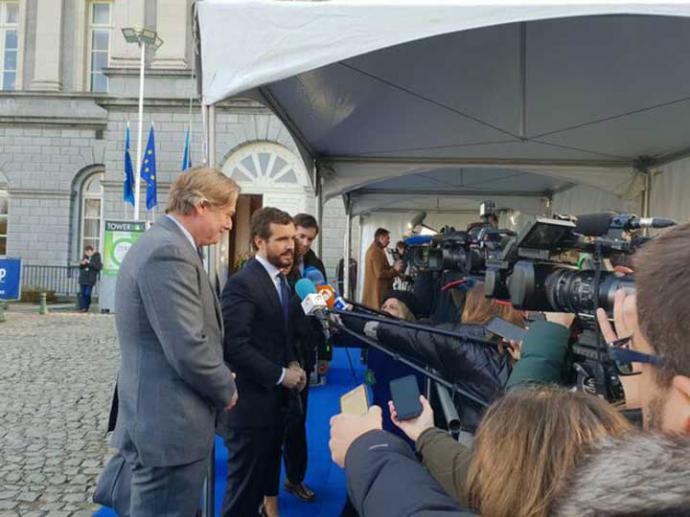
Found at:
(462, 251)
(532, 270)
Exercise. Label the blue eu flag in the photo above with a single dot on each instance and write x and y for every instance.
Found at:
(148, 171)
(128, 194)
(187, 154)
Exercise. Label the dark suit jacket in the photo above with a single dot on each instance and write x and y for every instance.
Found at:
(88, 274)
(172, 377)
(257, 346)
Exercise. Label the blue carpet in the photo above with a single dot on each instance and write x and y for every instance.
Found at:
(323, 476)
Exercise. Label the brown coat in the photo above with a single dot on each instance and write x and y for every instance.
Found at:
(378, 276)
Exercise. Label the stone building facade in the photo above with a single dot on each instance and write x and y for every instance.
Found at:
(69, 88)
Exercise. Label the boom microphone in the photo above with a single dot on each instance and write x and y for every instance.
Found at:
(593, 225)
(596, 225)
(632, 222)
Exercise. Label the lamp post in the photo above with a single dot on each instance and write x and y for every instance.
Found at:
(142, 37)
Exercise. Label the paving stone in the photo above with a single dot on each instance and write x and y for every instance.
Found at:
(28, 497)
(53, 442)
(51, 506)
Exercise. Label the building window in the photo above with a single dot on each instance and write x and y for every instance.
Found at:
(4, 209)
(99, 45)
(91, 211)
(9, 44)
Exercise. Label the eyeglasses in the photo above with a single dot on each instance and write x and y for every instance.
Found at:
(619, 350)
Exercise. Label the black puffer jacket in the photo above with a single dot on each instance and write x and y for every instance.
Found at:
(475, 367)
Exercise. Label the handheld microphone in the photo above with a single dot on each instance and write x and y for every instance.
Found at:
(313, 303)
(328, 293)
(314, 275)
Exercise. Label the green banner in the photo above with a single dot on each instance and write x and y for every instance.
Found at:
(119, 237)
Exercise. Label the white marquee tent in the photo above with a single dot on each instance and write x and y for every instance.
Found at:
(436, 104)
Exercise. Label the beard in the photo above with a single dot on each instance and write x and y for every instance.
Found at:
(654, 414)
(283, 260)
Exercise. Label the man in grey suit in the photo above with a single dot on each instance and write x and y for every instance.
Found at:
(172, 379)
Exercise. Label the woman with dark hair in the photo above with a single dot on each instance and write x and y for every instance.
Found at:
(382, 368)
(478, 362)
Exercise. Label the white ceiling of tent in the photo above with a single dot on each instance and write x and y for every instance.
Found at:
(549, 101)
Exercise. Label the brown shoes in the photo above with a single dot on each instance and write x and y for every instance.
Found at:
(301, 491)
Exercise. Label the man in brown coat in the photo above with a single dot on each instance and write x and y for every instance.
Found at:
(378, 273)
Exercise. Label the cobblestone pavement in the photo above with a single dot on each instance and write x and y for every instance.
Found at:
(56, 380)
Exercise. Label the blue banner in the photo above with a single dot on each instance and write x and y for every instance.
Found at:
(10, 278)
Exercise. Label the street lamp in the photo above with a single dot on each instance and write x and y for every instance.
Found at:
(142, 37)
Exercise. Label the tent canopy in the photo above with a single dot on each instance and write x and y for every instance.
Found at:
(526, 98)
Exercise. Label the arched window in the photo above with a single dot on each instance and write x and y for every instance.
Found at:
(273, 171)
(91, 210)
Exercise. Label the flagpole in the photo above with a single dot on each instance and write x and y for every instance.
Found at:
(137, 167)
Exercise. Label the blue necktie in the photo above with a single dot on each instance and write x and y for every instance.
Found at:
(284, 296)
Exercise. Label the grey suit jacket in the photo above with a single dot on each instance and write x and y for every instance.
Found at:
(172, 377)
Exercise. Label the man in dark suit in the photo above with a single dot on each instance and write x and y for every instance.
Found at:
(310, 343)
(172, 379)
(258, 348)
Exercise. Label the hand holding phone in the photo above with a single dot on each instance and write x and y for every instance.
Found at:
(405, 395)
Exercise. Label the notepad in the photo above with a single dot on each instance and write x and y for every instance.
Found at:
(355, 402)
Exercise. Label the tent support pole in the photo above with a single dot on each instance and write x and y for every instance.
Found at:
(346, 251)
(318, 198)
(208, 114)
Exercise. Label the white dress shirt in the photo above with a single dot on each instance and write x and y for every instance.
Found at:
(184, 230)
(274, 273)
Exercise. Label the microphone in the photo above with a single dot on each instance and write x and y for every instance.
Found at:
(596, 225)
(314, 275)
(313, 303)
(632, 222)
(328, 293)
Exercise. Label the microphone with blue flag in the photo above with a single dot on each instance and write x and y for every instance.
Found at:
(128, 192)
(148, 171)
(187, 154)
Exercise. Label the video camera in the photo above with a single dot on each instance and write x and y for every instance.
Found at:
(465, 252)
(532, 273)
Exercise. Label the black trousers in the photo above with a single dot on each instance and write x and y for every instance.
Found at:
(253, 468)
(295, 444)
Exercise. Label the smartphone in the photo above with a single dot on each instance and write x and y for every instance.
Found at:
(405, 395)
(355, 402)
(506, 330)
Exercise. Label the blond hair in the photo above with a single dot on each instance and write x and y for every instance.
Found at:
(202, 184)
(528, 443)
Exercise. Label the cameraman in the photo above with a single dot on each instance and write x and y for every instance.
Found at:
(657, 323)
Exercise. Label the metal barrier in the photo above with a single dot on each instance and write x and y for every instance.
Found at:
(64, 280)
